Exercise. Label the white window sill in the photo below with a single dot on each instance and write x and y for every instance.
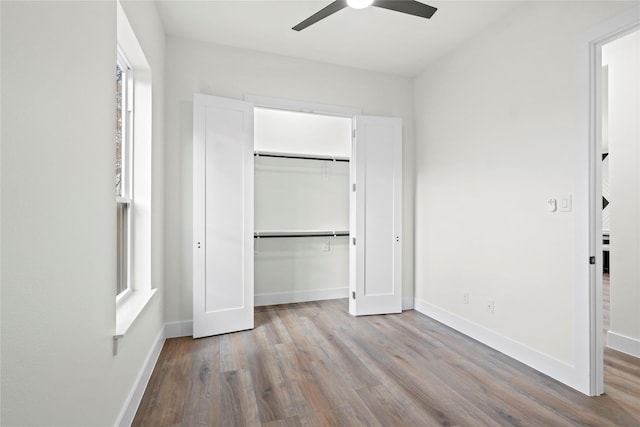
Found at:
(129, 308)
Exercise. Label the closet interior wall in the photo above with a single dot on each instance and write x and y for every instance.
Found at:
(296, 195)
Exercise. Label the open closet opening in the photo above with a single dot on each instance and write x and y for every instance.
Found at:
(301, 206)
(290, 206)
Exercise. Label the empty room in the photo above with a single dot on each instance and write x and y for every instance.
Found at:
(305, 212)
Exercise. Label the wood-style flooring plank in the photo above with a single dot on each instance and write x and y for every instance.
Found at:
(312, 364)
(166, 407)
(204, 393)
(238, 402)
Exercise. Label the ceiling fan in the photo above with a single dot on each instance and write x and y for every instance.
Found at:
(411, 7)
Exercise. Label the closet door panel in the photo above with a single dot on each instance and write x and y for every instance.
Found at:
(225, 210)
(223, 216)
(376, 203)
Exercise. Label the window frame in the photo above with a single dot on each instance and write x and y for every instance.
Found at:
(141, 166)
(124, 200)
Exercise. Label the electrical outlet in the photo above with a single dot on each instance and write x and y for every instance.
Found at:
(491, 306)
(465, 298)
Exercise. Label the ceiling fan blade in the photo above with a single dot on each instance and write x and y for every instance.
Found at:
(321, 14)
(411, 7)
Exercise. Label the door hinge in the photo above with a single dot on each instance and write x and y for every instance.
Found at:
(353, 187)
(592, 260)
(354, 241)
(353, 294)
(353, 133)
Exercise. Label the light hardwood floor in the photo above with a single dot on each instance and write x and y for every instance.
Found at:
(313, 364)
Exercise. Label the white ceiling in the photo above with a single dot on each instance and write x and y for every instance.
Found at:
(373, 39)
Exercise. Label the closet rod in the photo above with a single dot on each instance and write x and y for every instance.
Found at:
(301, 156)
(268, 234)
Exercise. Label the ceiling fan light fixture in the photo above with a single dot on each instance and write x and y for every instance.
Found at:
(359, 4)
(410, 7)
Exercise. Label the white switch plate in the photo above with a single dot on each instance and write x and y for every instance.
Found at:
(564, 203)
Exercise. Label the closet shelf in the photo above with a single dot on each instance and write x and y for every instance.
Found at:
(299, 233)
(300, 156)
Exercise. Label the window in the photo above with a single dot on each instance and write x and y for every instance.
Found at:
(123, 173)
(133, 178)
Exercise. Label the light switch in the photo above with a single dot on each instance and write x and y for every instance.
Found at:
(564, 203)
(559, 203)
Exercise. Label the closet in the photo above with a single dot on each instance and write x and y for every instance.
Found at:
(301, 206)
(293, 204)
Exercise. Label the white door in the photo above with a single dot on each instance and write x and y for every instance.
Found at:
(222, 215)
(376, 216)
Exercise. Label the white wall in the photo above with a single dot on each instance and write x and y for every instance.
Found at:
(296, 132)
(495, 132)
(301, 269)
(195, 67)
(301, 194)
(58, 214)
(296, 194)
(623, 59)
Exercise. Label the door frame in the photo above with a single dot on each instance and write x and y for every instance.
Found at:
(321, 109)
(589, 342)
(353, 114)
(309, 108)
(301, 106)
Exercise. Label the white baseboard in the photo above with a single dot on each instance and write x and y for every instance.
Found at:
(407, 303)
(300, 296)
(623, 343)
(548, 365)
(130, 406)
(178, 329)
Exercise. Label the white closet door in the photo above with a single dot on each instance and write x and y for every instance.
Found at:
(376, 216)
(222, 215)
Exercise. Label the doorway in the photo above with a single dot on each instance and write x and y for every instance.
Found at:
(593, 132)
(328, 219)
(620, 138)
(301, 222)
